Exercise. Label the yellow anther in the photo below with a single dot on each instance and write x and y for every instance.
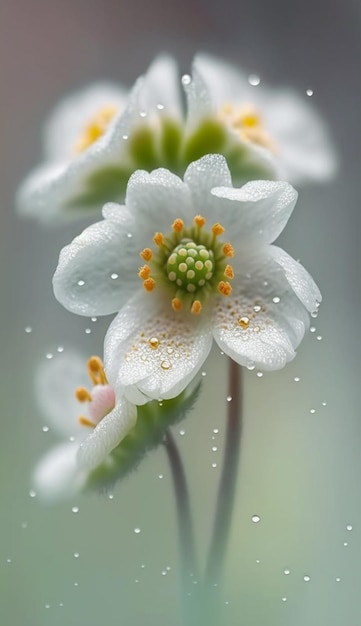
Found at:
(144, 272)
(199, 221)
(149, 284)
(176, 304)
(95, 128)
(243, 322)
(196, 307)
(249, 119)
(95, 364)
(217, 229)
(178, 225)
(82, 394)
(228, 272)
(158, 239)
(224, 288)
(84, 421)
(96, 371)
(146, 254)
(228, 250)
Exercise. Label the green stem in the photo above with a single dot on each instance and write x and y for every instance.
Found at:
(227, 485)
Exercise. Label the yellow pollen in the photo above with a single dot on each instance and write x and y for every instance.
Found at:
(84, 421)
(176, 304)
(96, 371)
(153, 342)
(228, 272)
(217, 229)
(95, 128)
(144, 272)
(249, 119)
(146, 254)
(82, 394)
(196, 307)
(228, 250)
(149, 284)
(224, 288)
(243, 322)
(178, 225)
(199, 221)
(158, 239)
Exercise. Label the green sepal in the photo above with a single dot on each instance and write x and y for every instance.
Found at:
(245, 166)
(170, 141)
(142, 149)
(208, 138)
(153, 420)
(104, 185)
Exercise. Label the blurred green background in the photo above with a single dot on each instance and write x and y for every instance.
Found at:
(300, 470)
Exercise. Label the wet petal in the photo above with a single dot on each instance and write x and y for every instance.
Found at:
(57, 475)
(201, 176)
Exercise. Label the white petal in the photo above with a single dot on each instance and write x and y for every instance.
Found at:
(199, 100)
(225, 83)
(161, 87)
(55, 384)
(110, 431)
(159, 372)
(72, 114)
(257, 211)
(300, 280)
(97, 272)
(262, 322)
(58, 476)
(201, 176)
(156, 199)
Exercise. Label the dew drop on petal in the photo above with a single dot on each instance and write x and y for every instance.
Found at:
(312, 329)
(143, 113)
(93, 319)
(114, 276)
(186, 79)
(166, 365)
(87, 331)
(259, 374)
(254, 80)
(276, 299)
(81, 283)
(250, 366)
(255, 519)
(160, 106)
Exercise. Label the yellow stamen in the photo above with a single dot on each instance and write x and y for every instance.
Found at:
(95, 128)
(196, 307)
(149, 284)
(228, 272)
(84, 421)
(178, 225)
(217, 229)
(199, 221)
(176, 304)
(228, 250)
(158, 239)
(96, 371)
(224, 288)
(82, 394)
(146, 254)
(144, 272)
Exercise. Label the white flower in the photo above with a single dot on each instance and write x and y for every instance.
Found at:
(95, 139)
(196, 238)
(65, 469)
(277, 123)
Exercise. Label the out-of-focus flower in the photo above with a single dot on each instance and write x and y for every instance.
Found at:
(95, 139)
(247, 123)
(65, 470)
(248, 295)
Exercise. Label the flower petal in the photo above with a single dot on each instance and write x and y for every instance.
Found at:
(55, 384)
(152, 351)
(201, 176)
(262, 322)
(97, 272)
(108, 434)
(58, 476)
(257, 211)
(161, 88)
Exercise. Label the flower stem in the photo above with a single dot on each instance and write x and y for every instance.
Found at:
(227, 485)
(189, 569)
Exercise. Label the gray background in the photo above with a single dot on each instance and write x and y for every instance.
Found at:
(300, 471)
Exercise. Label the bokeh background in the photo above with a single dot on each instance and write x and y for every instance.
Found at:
(301, 461)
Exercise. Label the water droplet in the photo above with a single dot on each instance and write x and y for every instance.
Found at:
(87, 331)
(258, 561)
(32, 493)
(254, 80)
(137, 531)
(182, 432)
(125, 137)
(255, 519)
(111, 496)
(309, 92)
(160, 107)
(345, 543)
(24, 524)
(324, 403)
(168, 568)
(307, 578)
(349, 527)
(47, 606)
(312, 411)
(216, 431)
(129, 235)
(49, 355)
(229, 398)
(93, 319)
(312, 329)
(284, 599)
(250, 366)
(314, 314)
(214, 465)
(204, 374)
(286, 572)
(143, 113)
(160, 476)
(142, 566)
(61, 603)
(276, 299)
(259, 374)
(114, 276)
(338, 579)
(164, 573)
(166, 365)
(81, 283)
(71, 438)
(76, 555)
(8, 560)
(45, 429)
(214, 448)
(243, 322)
(297, 379)
(75, 509)
(76, 584)
(256, 308)
(60, 349)
(186, 79)
(319, 337)
(28, 329)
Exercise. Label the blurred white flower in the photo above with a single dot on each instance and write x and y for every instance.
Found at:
(64, 470)
(277, 124)
(248, 295)
(96, 138)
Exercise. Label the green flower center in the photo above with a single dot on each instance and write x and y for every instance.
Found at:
(190, 265)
